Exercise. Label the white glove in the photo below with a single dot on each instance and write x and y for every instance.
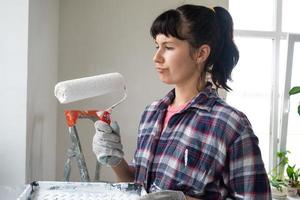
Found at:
(164, 195)
(107, 143)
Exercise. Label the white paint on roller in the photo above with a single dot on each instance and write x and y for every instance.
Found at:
(83, 88)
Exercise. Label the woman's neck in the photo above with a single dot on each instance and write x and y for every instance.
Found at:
(185, 93)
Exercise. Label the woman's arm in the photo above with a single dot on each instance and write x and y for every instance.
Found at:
(124, 172)
(248, 177)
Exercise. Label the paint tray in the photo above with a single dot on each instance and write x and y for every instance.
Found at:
(52, 190)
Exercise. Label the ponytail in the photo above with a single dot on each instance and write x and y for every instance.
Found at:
(227, 54)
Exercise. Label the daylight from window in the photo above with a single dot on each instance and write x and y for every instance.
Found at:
(259, 36)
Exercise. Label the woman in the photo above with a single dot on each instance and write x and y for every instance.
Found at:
(191, 144)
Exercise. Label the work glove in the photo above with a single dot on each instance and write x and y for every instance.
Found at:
(164, 195)
(107, 143)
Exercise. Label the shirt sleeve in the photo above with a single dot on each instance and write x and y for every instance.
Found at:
(247, 174)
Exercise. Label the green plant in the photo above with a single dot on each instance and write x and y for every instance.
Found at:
(277, 174)
(293, 175)
(283, 159)
(277, 183)
(295, 90)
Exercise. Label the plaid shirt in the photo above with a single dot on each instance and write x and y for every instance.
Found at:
(208, 150)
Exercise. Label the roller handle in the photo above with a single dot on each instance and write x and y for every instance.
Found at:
(73, 115)
(104, 116)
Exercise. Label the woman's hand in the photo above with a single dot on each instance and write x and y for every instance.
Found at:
(107, 143)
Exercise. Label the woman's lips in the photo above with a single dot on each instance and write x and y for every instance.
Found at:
(160, 69)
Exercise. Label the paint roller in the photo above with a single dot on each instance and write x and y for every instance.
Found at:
(83, 88)
(88, 87)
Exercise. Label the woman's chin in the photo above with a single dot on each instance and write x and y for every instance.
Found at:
(166, 81)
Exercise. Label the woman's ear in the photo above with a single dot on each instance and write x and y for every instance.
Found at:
(202, 53)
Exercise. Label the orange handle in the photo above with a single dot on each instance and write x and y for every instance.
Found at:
(73, 115)
(104, 116)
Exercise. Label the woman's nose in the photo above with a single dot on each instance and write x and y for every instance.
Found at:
(158, 58)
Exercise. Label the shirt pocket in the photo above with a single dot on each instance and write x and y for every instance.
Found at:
(190, 157)
(194, 169)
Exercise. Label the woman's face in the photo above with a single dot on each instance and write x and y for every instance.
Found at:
(174, 62)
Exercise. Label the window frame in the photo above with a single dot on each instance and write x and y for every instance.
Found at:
(292, 39)
(278, 113)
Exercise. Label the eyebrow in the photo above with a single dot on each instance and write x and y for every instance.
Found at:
(166, 42)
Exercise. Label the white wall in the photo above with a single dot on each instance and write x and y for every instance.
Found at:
(13, 87)
(28, 72)
(106, 36)
(42, 77)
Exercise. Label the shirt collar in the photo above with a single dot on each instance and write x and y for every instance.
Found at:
(204, 99)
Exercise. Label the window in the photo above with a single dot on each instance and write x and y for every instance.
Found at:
(253, 95)
(290, 11)
(261, 29)
(245, 19)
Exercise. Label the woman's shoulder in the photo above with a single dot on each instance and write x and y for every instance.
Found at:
(233, 117)
(227, 122)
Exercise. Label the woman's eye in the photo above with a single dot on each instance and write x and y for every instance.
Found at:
(169, 48)
(165, 47)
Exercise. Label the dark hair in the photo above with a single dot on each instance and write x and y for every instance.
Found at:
(201, 25)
